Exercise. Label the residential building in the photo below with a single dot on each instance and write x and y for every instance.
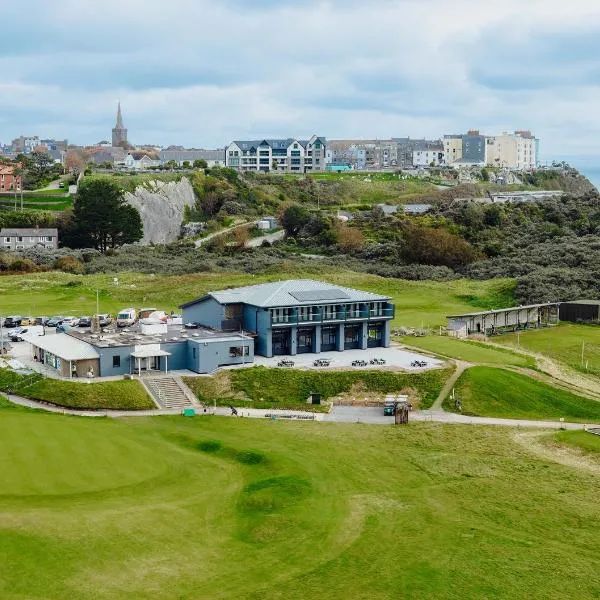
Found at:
(119, 132)
(453, 148)
(297, 316)
(21, 239)
(25, 144)
(139, 161)
(514, 151)
(430, 154)
(289, 155)
(9, 182)
(213, 158)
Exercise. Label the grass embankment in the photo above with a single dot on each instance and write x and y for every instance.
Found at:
(475, 352)
(260, 387)
(492, 392)
(106, 395)
(581, 440)
(238, 508)
(563, 344)
(418, 303)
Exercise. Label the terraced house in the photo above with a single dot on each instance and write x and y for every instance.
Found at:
(290, 155)
(297, 316)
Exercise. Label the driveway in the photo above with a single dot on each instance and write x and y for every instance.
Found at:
(271, 237)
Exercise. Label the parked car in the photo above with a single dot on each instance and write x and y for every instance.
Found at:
(85, 322)
(17, 334)
(13, 321)
(54, 321)
(71, 321)
(41, 320)
(105, 319)
(27, 321)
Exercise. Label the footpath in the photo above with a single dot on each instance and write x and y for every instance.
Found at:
(341, 414)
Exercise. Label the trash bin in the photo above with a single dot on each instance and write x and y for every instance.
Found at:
(189, 412)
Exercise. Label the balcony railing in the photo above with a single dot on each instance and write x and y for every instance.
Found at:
(328, 317)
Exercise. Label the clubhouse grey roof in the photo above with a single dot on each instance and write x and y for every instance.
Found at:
(64, 346)
(292, 292)
(191, 155)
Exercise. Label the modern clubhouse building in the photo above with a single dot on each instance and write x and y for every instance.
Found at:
(227, 327)
(297, 316)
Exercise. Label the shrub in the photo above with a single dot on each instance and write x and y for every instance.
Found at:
(69, 264)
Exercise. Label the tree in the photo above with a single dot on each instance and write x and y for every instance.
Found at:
(172, 164)
(350, 238)
(293, 218)
(200, 163)
(185, 164)
(101, 217)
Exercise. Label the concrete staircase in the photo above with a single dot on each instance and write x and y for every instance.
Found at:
(170, 392)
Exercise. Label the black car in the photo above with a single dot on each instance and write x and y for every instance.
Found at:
(13, 321)
(54, 321)
(85, 322)
(17, 334)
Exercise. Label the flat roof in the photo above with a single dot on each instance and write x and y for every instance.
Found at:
(502, 310)
(62, 345)
(113, 337)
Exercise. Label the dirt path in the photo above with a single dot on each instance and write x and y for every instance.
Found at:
(569, 457)
(460, 367)
(578, 382)
(223, 232)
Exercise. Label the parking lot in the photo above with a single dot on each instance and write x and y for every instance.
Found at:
(394, 356)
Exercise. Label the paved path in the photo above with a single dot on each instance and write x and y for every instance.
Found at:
(270, 237)
(340, 414)
(223, 232)
(460, 367)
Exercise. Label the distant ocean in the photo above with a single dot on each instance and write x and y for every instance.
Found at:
(593, 174)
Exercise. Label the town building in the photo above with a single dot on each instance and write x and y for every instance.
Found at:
(25, 144)
(297, 316)
(213, 158)
(119, 132)
(429, 155)
(21, 239)
(9, 180)
(289, 155)
(139, 161)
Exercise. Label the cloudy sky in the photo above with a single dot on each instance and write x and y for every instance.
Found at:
(203, 72)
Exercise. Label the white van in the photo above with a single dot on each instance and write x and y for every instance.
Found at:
(126, 317)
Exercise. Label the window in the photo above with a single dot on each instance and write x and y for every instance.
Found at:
(235, 351)
(19, 239)
(194, 352)
(7, 240)
(116, 361)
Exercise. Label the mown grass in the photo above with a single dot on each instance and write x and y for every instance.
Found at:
(493, 392)
(475, 352)
(564, 343)
(105, 395)
(261, 387)
(153, 508)
(418, 303)
(582, 440)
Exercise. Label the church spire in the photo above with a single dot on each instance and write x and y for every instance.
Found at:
(119, 133)
(119, 124)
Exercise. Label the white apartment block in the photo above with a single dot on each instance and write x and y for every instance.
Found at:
(290, 155)
(512, 150)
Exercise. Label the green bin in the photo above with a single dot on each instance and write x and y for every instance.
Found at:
(189, 412)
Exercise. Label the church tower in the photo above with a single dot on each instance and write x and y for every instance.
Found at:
(119, 133)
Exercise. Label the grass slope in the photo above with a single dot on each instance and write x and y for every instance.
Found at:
(492, 392)
(117, 395)
(468, 351)
(219, 508)
(582, 440)
(562, 343)
(260, 387)
(422, 303)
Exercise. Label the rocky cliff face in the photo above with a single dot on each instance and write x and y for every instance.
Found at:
(161, 205)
